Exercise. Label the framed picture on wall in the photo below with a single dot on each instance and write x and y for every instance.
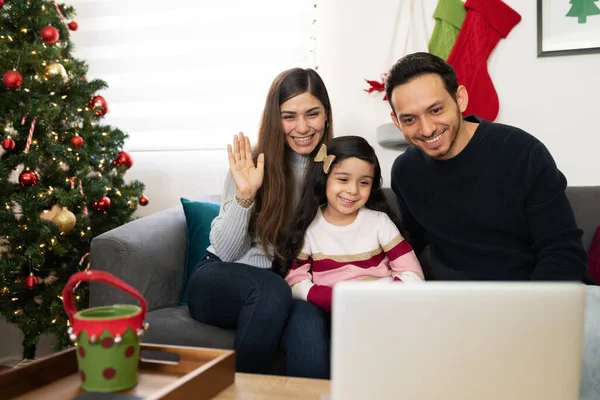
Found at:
(567, 27)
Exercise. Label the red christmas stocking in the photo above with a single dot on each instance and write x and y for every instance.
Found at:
(487, 21)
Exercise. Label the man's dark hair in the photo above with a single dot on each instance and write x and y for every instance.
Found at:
(414, 65)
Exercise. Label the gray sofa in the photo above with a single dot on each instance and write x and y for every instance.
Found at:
(149, 254)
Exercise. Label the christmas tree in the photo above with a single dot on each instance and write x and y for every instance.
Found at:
(61, 171)
(582, 9)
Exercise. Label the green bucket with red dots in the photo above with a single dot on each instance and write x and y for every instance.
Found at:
(107, 338)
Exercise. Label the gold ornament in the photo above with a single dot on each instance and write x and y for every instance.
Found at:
(65, 220)
(48, 215)
(56, 69)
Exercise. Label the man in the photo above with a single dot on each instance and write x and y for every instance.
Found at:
(488, 198)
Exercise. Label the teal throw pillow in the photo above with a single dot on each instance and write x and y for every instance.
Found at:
(198, 217)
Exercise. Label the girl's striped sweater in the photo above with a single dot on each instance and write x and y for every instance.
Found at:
(370, 248)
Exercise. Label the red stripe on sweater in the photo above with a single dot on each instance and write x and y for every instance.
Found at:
(399, 250)
(321, 296)
(329, 264)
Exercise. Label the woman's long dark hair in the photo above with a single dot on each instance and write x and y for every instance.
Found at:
(271, 214)
(314, 195)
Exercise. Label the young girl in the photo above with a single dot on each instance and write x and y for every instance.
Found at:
(344, 229)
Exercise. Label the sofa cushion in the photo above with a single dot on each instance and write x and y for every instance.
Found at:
(584, 200)
(175, 326)
(198, 217)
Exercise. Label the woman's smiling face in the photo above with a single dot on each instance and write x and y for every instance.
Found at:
(303, 119)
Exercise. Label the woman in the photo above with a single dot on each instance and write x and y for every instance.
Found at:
(232, 287)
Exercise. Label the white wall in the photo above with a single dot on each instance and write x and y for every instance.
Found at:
(554, 99)
(186, 75)
(170, 175)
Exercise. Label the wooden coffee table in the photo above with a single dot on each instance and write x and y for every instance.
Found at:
(200, 373)
(270, 387)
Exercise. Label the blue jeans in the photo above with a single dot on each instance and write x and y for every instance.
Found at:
(251, 300)
(306, 341)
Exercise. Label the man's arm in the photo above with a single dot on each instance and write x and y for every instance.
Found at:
(556, 238)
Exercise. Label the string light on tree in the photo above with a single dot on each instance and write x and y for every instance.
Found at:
(10, 130)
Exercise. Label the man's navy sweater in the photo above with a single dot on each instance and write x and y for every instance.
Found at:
(496, 211)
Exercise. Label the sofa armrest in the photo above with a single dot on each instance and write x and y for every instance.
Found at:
(148, 254)
(584, 200)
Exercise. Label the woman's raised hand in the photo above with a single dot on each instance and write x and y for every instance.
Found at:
(248, 178)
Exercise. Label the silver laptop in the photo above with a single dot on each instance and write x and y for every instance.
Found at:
(457, 341)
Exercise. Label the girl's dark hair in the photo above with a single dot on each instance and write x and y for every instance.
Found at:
(271, 213)
(314, 196)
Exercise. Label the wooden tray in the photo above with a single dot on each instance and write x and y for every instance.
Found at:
(191, 372)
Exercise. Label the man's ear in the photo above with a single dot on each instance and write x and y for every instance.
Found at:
(462, 98)
(395, 120)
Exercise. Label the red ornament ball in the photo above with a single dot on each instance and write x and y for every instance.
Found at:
(123, 160)
(73, 25)
(1, 3)
(31, 281)
(12, 80)
(8, 143)
(77, 141)
(28, 178)
(99, 103)
(102, 205)
(49, 34)
(144, 201)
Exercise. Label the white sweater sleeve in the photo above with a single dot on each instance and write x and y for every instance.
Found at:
(229, 230)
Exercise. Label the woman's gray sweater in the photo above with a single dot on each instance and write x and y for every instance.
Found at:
(229, 238)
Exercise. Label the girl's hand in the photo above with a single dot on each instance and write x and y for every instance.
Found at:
(248, 178)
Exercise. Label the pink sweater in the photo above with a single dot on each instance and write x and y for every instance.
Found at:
(370, 248)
